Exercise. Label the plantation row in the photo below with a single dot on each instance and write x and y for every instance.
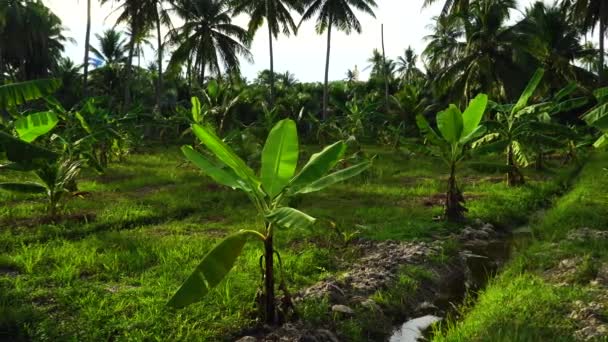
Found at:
(92, 208)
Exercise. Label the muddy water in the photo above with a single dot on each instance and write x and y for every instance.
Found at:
(483, 261)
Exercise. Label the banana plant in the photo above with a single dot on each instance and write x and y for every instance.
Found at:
(598, 116)
(520, 130)
(269, 192)
(457, 131)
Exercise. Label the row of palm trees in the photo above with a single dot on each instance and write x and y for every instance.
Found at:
(473, 47)
(209, 41)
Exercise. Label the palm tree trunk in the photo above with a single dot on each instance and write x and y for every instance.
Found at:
(385, 71)
(127, 90)
(87, 47)
(189, 75)
(602, 37)
(326, 84)
(159, 85)
(272, 91)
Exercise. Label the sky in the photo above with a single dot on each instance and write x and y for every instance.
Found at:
(405, 24)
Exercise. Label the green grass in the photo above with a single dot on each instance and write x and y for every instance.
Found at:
(107, 270)
(525, 303)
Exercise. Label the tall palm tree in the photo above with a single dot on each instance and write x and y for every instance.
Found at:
(553, 42)
(143, 40)
(590, 13)
(485, 62)
(112, 48)
(278, 18)
(87, 45)
(406, 66)
(338, 13)
(208, 37)
(138, 15)
(445, 44)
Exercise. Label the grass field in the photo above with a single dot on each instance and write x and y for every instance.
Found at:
(532, 300)
(106, 271)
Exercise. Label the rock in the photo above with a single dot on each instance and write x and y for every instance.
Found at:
(585, 234)
(488, 227)
(371, 305)
(482, 234)
(602, 275)
(342, 309)
(426, 308)
(247, 339)
(588, 316)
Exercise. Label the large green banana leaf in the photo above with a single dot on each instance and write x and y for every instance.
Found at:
(279, 157)
(210, 272)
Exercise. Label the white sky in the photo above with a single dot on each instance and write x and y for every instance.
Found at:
(405, 23)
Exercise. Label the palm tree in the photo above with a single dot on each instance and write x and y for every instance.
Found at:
(208, 37)
(590, 13)
(142, 40)
(553, 42)
(87, 45)
(278, 18)
(336, 13)
(485, 62)
(35, 37)
(406, 66)
(137, 14)
(112, 48)
(352, 76)
(445, 43)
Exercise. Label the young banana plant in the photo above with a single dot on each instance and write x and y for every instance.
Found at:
(457, 131)
(57, 175)
(521, 129)
(269, 192)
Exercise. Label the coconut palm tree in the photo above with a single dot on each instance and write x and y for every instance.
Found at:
(144, 40)
(138, 15)
(277, 15)
(484, 63)
(406, 67)
(445, 44)
(553, 42)
(112, 48)
(589, 14)
(339, 14)
(208, 37)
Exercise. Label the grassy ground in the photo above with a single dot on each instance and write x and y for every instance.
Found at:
(107, 270)
(533, 298)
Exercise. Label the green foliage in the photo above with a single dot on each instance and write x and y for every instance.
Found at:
(457, 130)
(598, 116)
(14, 94)
(523, 130)
(212, 269)
(268, 193)
(34, 125)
